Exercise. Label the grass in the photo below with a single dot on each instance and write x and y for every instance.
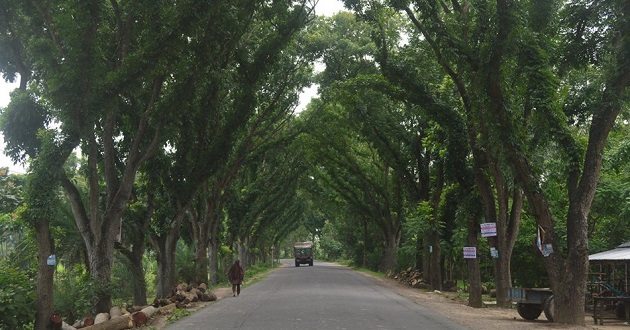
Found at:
(177, 314)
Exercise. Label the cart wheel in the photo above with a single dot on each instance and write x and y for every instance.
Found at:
(548, 308)
(528, 311)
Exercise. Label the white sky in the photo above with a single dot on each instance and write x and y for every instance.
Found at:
(323, 7)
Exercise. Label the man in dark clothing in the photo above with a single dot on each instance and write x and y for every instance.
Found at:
(236, 275)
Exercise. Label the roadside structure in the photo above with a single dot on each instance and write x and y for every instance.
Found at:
(608, 283)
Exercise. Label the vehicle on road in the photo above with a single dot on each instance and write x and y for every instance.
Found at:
(303, 252)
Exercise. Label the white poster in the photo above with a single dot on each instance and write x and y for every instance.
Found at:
(470, 252)
(488, 229)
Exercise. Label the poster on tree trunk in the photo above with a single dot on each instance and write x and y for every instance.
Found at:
(488, 229)
(470, 252)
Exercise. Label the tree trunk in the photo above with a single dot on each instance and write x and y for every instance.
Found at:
(419, 252)
(426, 257)
(135, 264)
(201, 263)
(474, 274)
(390, 258)
(366, 243)
(101, 270)
(213, 252)
(44, 302)
(166, 246)
(118, 323)
(435, 257)
(200, 222)
(165, 266)
(569, 293)
(137, 277)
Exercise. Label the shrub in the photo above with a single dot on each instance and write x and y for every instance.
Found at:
(17, 297)
(74, 292)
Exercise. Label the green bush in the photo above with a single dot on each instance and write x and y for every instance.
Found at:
(74, 292)
(17, 298)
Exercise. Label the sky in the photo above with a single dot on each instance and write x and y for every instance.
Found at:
(323, 7)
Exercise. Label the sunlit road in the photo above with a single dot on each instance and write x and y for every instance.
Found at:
(325, 296)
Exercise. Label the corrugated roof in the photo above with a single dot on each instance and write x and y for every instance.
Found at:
(621, 253)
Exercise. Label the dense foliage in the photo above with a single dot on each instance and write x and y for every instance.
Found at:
(430, 120)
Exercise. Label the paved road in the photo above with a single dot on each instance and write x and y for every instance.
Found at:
(325, 296)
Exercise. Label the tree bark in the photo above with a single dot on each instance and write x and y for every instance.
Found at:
(100, 271)
(474, 273)
(165, 267)
(392, 241)
(199, 218)
(44, 301)
(142, 317)
(137, 275)
(213, 253)
(118, 323)
(166, 246)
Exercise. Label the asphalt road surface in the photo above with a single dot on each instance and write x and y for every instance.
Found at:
(325, 296)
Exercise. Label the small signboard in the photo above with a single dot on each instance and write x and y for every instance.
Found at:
(470, 252)
(494, 253)
(547, 249)
(488, 229)
(52, 260)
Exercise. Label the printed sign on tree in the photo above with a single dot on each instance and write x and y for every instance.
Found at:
(488, 229)
(470, 252)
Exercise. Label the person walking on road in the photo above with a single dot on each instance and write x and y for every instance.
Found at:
(236, 275)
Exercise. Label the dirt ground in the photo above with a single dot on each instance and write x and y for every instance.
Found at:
(446, 304)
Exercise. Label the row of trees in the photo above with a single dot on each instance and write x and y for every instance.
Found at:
(433, 117)
(492, 112)
(167, 102)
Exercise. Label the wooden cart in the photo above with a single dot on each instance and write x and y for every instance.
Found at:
(531, 302)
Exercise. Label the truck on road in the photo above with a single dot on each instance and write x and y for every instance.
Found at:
(303, 252)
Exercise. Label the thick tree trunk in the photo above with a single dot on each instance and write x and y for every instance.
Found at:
(138, 279)
(44, 302)
(569, 289)
(166, 267)
(474, 274)
(200, 221)
(118, 323)
(426, 257)
(503, 277)
(166, 246)
(435, 257)
(390, 258)
(201, 263)
(101, 260)
(213, 253)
